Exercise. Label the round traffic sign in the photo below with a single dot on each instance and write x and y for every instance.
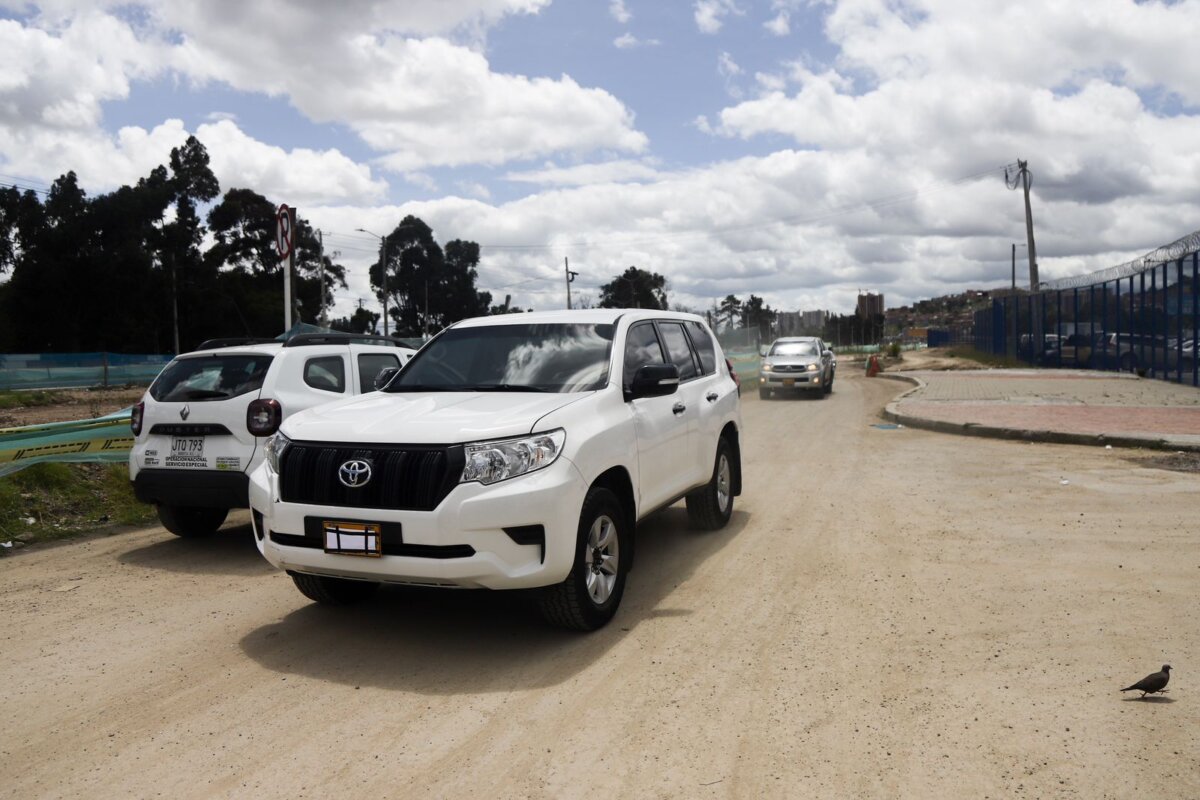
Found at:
(283, 231)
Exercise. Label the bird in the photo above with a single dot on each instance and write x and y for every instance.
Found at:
(1155, 682)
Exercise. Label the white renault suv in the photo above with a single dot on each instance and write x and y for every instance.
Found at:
(512, 452)
(199, 428)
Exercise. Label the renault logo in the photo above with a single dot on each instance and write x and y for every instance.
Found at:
(355, 473)
(183, 412)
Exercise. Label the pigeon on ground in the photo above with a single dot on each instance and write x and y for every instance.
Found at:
(1157, 682)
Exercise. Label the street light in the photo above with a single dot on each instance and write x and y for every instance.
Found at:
(382, 272)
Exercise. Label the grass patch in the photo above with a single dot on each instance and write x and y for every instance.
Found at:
(66, 499)
(10, 399)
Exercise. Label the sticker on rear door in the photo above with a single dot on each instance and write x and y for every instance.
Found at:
(233, 463)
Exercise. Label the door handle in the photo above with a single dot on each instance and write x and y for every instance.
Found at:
(711, 397)
(678, 409)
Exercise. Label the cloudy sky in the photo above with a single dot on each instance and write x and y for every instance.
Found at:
(797, 149)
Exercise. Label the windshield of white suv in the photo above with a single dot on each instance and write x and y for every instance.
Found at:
(511, 358)
(210, 377)
(794, 349)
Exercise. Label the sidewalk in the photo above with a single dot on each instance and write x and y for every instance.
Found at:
(1067, 406)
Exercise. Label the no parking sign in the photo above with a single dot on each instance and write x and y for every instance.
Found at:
(283, 231)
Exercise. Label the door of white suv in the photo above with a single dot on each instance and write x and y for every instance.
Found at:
(664, 440)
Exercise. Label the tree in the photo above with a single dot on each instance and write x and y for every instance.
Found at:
(756, 314)
(361, 321)
(729, 308)
(429, 288)
(251, 282)
(635, 288)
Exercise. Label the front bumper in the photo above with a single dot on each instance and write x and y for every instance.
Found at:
(791, 381)
(461, 543)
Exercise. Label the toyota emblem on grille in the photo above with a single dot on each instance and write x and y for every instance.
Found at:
(183, 412)
(355, 473)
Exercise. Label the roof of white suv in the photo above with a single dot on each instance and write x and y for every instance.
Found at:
(596, 316)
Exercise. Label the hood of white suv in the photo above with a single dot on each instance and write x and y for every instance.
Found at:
(425, 417)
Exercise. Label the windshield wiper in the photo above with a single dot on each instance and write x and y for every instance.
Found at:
(418, 387)
(503, 387)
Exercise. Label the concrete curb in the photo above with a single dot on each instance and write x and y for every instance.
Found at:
(892, 413)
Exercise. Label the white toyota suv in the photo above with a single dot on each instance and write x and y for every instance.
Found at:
(197, 429)
(512, 452)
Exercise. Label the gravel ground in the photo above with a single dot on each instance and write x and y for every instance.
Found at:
(891, 613)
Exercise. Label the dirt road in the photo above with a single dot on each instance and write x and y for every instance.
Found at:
(892, 613)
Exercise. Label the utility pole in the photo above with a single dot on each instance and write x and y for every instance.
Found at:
(570, 278)
(321, 262)
(1025, 181)
(383, 280)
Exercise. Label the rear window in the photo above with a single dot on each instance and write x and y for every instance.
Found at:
(215, 377)
(704, 347)
(327, 373)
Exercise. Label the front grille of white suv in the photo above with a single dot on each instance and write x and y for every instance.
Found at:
(403, 477)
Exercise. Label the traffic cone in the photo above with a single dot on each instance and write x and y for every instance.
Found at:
(872, 366)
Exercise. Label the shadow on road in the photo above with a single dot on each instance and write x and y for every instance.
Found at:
(230, 551)
(453, 642)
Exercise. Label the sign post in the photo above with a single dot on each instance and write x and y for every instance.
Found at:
(285, 241)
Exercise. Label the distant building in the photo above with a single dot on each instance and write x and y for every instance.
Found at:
(870, 304)
(813, 319)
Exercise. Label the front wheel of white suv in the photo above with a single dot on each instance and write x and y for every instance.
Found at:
(711, 507)
(589, 597)
(191, 521)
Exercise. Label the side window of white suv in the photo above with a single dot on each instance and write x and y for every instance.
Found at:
(327, 373)
(678, 349)
(641, 348)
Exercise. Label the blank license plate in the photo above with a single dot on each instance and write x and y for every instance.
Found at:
(353, 538)
(789, 381)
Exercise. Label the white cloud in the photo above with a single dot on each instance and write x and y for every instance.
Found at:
(420, 102)
(628, 41)
(301, 176)
(587, 174)
(780, 24)
(710, 14)
(619, 12)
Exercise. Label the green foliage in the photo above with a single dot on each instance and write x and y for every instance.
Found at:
(64, 499)
(635, 288)
(893, 350)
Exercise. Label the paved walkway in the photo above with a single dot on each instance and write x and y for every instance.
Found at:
(1078, 407)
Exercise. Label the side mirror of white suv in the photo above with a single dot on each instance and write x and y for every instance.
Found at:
(385, 376)
(654, 380)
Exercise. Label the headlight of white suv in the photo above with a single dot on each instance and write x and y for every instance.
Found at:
(276, 444)
(489, 462)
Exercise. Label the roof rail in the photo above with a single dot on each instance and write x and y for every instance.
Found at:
(305, 339)
(214, 344)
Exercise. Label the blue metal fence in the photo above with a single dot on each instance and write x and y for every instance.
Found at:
(65, 370)
(1142, 317)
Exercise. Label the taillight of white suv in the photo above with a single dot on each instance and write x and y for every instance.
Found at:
(135, 418)
(263, 417)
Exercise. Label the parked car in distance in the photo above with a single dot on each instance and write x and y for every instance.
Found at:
(199, 428)
(796, 364)
(513, 452)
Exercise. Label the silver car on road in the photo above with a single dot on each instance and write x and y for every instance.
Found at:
(796, 364)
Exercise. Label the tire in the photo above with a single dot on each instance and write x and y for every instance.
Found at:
(333, 591)
(591, 593)
(764, 394)
(829, 385)
(190, 521)
(711, 507)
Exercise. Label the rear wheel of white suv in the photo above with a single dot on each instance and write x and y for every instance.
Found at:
(190, 521)
(712, 506)
(589, 597)
(333, 591)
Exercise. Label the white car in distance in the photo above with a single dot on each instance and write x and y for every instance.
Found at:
(512, 452)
